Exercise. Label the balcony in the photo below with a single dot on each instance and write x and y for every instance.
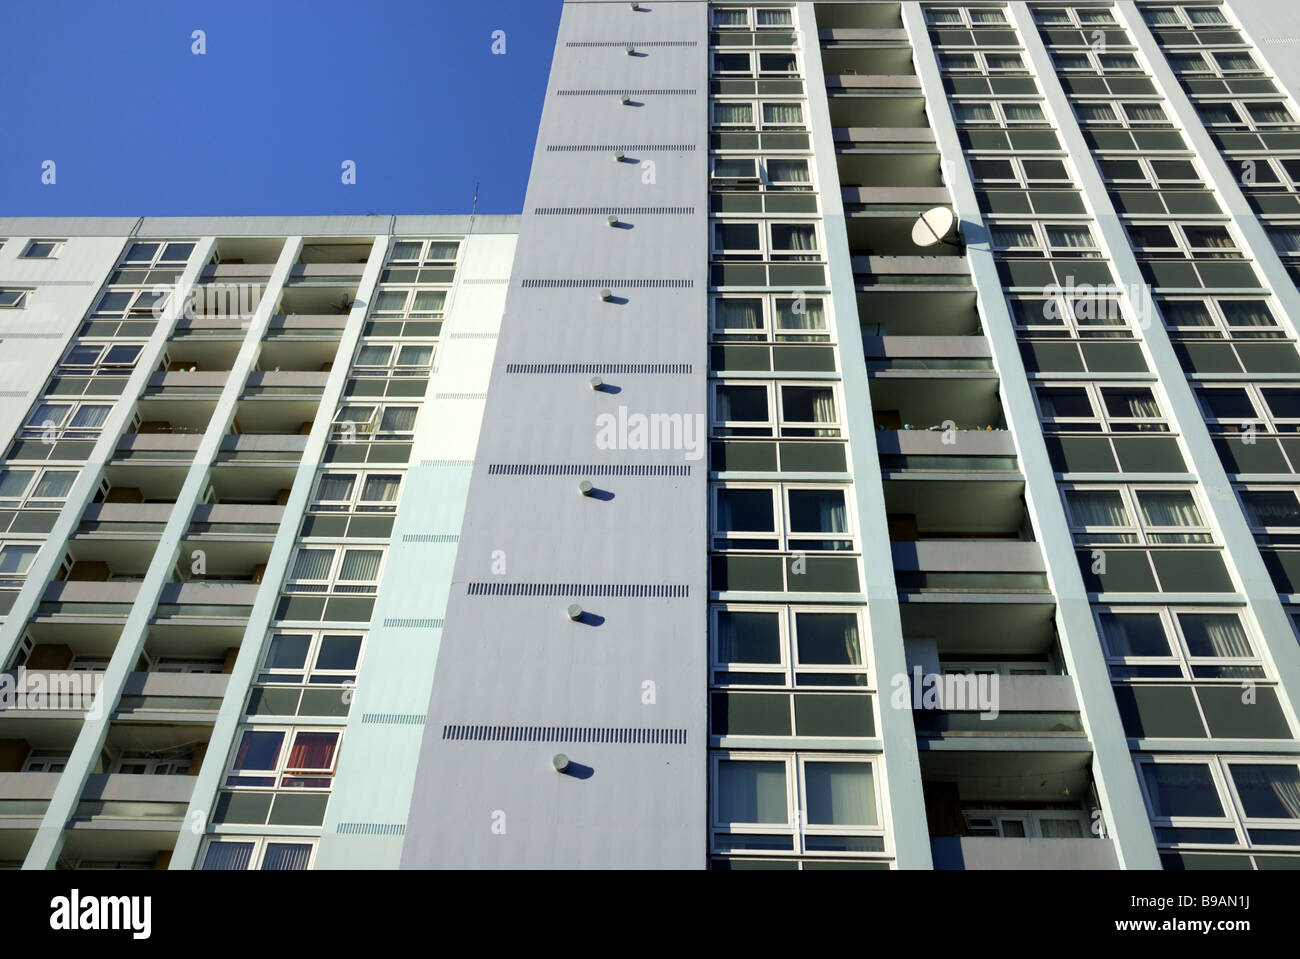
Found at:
(157, 447)
(226, 520)
(913, 272)
(207, 600)
(127, 520)
(148, 696)
(958, 400)
(186, 383)
(857, 81)
(984, 852)
(262, 448)
(927, 353)
(290, 383)
(886, 139)
(307, 325)
(24, 797)
(116, 800)
(965, 556)
(88, 599)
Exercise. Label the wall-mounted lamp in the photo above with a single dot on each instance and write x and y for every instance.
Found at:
(612, 221)
(596, 382)
(585, 488)
(607, 295)
(560, 762)
(574, 611)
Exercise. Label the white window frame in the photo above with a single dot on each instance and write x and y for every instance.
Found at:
(1180, 655)
(1061, 319)
(1000, 118)
(56, 248)
(14, 299)
(786, 672)
(259, 843)
(782, 532)
(1120, 116)
(63, 429)
(759, 121)
(1030, 819)
(1266, 533)
(1150, 176)
(1100, 415)
(356, 502)
(769, 315)
(1072, 17)
(1255, 394)
(1219, 318)
(1140, 532)
(766, 251)
(1043, 246)
(1019, 176)
(28, 499)
(331, 583)
(967, 18)
(283, 773)
(426, 248)
(981, 66)
(328, 678)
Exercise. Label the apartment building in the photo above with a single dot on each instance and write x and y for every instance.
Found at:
(870, 447)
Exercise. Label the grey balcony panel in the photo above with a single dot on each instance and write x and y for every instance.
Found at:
(91, 592)
(968, 556)
(177, 684)
(987, 852)
(256, 514)
(159, 442)
(309, 321)
(918, 195)
(211, 323)
(222, 270)
(311, 379)
(858, 81)
(208, 594)
(315, 270)
(117, 787)
(214, 379)
(127, 513)
(899, 265)
(862, 33)
(930, 443)
(925, 346)
(28, 785)
(883, 135)
(1037, 694)
(264, 443)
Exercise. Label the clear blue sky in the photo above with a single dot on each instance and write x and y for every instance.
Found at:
(138, 125)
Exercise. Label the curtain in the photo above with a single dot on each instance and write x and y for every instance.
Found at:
(1060, 828)
(390, 301)
(1182, 789)
(782, 114)
(258, 750)
(1094, 112)
(1022, 112)
(1134, 634)
(286, 855)
(752, 792)
(731, 113)
(840, 794)
(313, 564)
(90, 417)
(361, 565)
(1168, 508)
(831, 513)
(1269, 113)
(745, 510)
(312, 751)
(1145, 112)
(1273, 508)
(336, 486)
(1161, 18)
(1205, 15)
(1071, 61)
(1236, 61)
(1014, 235)
(1139, 404)
(945, 16)
(1286, 240)
(739, 314)
(749, 637)
(1186, 313)
(374, 355)
(987, 16)
(415, 356)
(1268, 791)
(381, 488)
(406, 250)
(429, 301)
(730, 18)
(1097, 508)
(442, 251)
(959, 61)
(1188, 63)
(812, 316)
(974, 112)
(1212, 237)
(52, 413)
(793, 237)
(823, 404)
(788, 171)
(228, 855)
(772, 18)
(1216, 113)
(1070, 237)
(828, 639)
(398, 419)
(1247, 313)
(13, 482)
(1215, 634)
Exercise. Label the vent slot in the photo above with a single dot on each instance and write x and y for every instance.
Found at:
(454, 464)
(615, 210)
(626, 93)
(602, 284)
(393, 719)
(397, 622)
(431, 538)
(682, 368)
(599, 590)
(621, 148)
(631, 43)
(566, 469)
(630, 735)
(371, 829)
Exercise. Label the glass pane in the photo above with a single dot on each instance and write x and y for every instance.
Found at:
(1271, 508)
(361, 564)
(736, 314)
(381, 488)
(286, 855)
(1215, 634)
(288, 651)
(415, 356)
(390, 300)
(1182, 789)
(16, 560)
(745, 510)
(1168, 508)
(13, 482)
(338, 652)
(752, 792)
(312, 751)
(1268, 791)
(228, 855)
(374, 355)
(336, 486)
(406, 250)
(398, 419)
(440, 250)
(1134, 634)
(429, 301)
(742, 403)
(790, 316)
(840, 794)
(54, 484)
(312, 564)
(817, 511)
(748, 637)
(258, 750)
(828, 639)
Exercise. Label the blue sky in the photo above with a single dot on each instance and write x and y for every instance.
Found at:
(137, 124)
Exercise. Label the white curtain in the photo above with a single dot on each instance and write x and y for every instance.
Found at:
(313, 564)
(1168, 508)
(772, 18)
(429, 301)
(733, 113)
(1247, 313)
(788, 171)
(1097, 508)
(1068, 237)
(752, 792)
(442, 251)
(415, 356)
(811, 317)
(336, 486)
(361, 565)
(840, 794)
(739, 314)
(782, 114)
(1016, 234)
(1023, 112)
(398, 419)
(1060, 828)
(1215, 634)
(793, 237)
(374, 355)
(286, 855)
(1134, 634)
(971, 112)
(90, 417)
(406, 250)
(390, 301)
(1268, 791)
(1145, 112)
(1140, 404)
(382, 488)
(52, 413)
(228, 855)
(1186, 313)
(1094, 112)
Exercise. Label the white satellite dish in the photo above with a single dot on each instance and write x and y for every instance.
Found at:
(932, 226)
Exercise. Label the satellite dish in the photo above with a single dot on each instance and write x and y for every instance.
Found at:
(932, 226)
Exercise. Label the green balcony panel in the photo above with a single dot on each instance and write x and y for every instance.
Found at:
(967, 86)
(822, 574)
(1052, 357)
(1283, 567)
(1130, 86)
(350, 609)
(1113, 356)
(750, 714)
(984, 140)
(745, 573)
(1277, 862)
(845, 714)
(34, 521)
(325, 702)
(1207, 357)
(1158, 140)
(407, 386)
(737, 274)
(1197, 861)
(743, 457)
(324, 525)
(374, 527)
(345, 453)
(1234, 712)
(1081, 272)
(307, 608)
(785, 141)
(1135, 202)
(1031, 273)
(1081, 454)
(274, 701)
(298, 810)
(250, 808)
(1108, 140)
(1190, 202)
(1149, 454)
(745, 358)
(1159, 712)
(1056, 201)
(1170, 273)
(790, 203)
(797, 274)
(1262, 456)
(1013, 86)
(736, 203)
(734, 141)
(1004, 201)
(389, 453)
(1191, 571)
(1118, 571)
(1225, 274)
(813, 458)
(366, 387)
(803, 359)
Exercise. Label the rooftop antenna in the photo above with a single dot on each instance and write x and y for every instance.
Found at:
(473, 208)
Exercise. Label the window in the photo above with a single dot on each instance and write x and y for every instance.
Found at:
(766, 317)
(46, 761)
(964, 16)
(984, 63)
(1177, 644)
(764, 240)
(322, 569)
(24, 489)
(1109, 515)
(15, 560)
(1215, 317)
(1162, 173)
(787, 646)
(356, 421)
(234, 853)
(11, 299)
(1062, 16)
(1093, 408)
(998, 113)
(391, 359)
(52, 421)
(783, 517)
(1096, 314)
(1019, 172)
(1028, 824)
(1164, 241)
(766, 173)
(1044, 239)
(1274, 409)
(287, 758)
(751, 114)
(316, 658)
(42, 250)
(415, 252)
(1222, 801)
(1273, 514)
(1136, 114)
(97, 359)
(352, 492)
(795, 803)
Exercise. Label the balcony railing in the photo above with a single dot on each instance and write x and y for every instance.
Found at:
(988, 852)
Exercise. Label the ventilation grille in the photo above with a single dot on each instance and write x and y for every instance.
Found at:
(566, 734)
(32, 336)
(609, 590)
(460, 396)
(599, 368)
(630, 43)
(626, 93)
(565, 469)
(431, 538)
(7, 394)
(621, 147)
(486, 281)
(472, 336)
(455, 464)
(615, 210)
(601, 284)
(371, 829)
(393, 719)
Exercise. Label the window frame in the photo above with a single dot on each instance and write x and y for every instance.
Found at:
(1143, 533)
